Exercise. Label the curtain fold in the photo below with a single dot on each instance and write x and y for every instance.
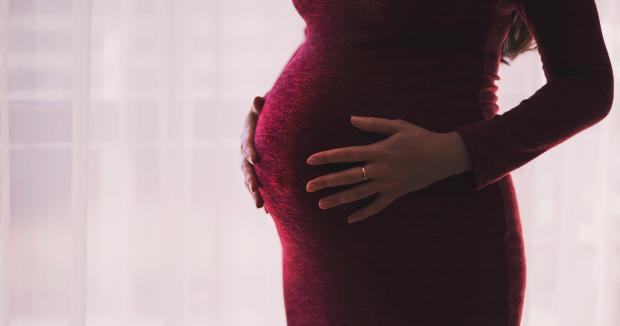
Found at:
(121, 196)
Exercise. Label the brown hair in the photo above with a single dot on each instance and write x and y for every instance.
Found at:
(519, 39)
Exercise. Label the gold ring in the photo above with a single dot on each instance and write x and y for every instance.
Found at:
(364, 171)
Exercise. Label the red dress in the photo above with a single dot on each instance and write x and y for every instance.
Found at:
(451, 253)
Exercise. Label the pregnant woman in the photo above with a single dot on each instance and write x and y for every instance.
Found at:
(382, 159)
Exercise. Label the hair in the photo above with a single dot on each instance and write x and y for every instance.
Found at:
(519, 39)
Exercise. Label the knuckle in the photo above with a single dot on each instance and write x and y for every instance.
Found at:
(379, 150)
(367, 191)
(360, 188)
(346, 197)
(342, 178)
(351, 195)
(357, 195)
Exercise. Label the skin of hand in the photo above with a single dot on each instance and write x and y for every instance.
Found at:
(411, 158)
(248, 153)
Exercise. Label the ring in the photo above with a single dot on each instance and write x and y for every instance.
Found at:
(364, 171)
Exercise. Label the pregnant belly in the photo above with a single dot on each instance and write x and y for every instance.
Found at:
(308, 110)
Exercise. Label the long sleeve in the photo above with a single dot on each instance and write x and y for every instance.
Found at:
(578, 92)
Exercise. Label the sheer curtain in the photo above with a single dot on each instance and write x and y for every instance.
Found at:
(121, 197)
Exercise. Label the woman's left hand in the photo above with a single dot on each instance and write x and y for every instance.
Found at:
(411, 158)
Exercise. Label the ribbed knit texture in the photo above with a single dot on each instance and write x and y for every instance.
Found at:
(451, 253)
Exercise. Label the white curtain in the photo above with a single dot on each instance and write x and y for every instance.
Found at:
(121, 197)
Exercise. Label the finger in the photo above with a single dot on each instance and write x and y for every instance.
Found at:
(247, 141)
(346, 196)
(251, 182)
(378, 125)
(342, 154)
(249, 174)
(252, 154)
(381, 202)
(348, 176)
(257, 104)
(247, 136)
(258, 199)
(249, 153)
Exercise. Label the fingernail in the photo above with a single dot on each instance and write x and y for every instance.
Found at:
(311, 160)
(310, 187)
(323, 203)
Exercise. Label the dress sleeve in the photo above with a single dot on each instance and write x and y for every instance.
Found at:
(578, 92)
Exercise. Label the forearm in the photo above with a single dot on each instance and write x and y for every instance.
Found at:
(578, 93)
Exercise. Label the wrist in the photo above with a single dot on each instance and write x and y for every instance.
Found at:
(454, 153)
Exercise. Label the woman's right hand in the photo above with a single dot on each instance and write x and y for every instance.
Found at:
(248, 152)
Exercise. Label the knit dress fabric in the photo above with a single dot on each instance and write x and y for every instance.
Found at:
(451, 253)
